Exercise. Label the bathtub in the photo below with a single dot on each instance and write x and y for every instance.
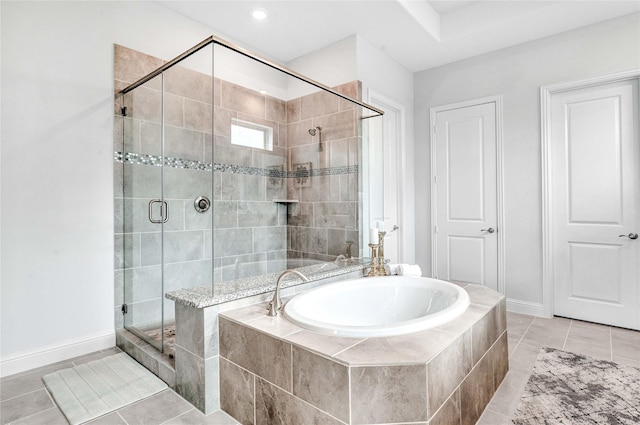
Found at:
(377, 306)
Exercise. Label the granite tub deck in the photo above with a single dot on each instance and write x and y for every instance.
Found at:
(273, 372)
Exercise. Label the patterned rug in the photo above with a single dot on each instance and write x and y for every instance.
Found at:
(572, 389)
(90, 390)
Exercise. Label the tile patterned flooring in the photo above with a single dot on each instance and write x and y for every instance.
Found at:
(25, 401)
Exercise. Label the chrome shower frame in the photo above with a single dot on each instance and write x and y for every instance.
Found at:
(217, 40)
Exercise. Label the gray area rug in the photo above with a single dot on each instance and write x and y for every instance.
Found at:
(568, 388)
(90, 390)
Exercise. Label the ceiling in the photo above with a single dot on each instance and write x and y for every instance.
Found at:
(418, 34)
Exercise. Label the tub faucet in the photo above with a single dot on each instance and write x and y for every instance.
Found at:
(276, 302)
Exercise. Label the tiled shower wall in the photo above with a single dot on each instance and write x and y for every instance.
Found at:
(250, 234)
(327, 215)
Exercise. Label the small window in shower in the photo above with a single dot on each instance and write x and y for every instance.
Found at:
(252, 135)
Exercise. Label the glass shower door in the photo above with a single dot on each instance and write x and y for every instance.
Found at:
(145, 212)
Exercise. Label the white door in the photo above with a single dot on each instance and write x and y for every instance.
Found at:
(595, 185)
(465, 186)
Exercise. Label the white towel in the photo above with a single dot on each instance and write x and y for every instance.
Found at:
(392, 269)
(409, 270)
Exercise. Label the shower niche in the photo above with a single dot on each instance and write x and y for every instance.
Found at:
(228, 170)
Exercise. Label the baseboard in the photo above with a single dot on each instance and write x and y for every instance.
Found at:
(525, 307)
(55, 353)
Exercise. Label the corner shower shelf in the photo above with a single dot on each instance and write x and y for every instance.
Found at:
(286, 201)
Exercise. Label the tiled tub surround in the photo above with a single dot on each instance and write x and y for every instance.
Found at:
(197, 340)
(273, 372)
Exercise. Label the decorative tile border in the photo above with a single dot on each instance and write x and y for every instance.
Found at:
(156, 161)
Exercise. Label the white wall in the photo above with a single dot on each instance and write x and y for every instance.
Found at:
(57, 168)
(517, 73)
(380, 73)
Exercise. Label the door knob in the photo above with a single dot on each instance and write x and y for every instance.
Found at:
(630, 236)
(489, 230)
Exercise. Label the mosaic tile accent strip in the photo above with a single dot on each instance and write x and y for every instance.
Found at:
(156, 161)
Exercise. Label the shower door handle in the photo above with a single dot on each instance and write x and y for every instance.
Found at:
(164, 211)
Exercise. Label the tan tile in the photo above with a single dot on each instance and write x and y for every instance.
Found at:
(517, 324)
(322, 344)
(277, 407)
(321, 382)
(217, 91)
(222, 121)
(317, 104)
(485, 332)
(188, 83)
(158, 408)
(524, 357)
(298, 133)
(480, 294)
(131, 65)
(447, 370)
(625, 343)
(197, 116)
(340, 125)
(588, 348)
(25, 405)
(417, 347)
(264, 355)
(237, 389)
(509, 392)
(277, 326)
(276, 110)
(145, 104)
(463, 323)
(241, 99)
(590, 339)
(245, 314)
(449, 413)
(293, 110)
(476, 391)
(388, 394)
(490, 417)
(548, 332)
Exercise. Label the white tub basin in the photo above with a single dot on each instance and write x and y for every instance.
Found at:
(377, 306)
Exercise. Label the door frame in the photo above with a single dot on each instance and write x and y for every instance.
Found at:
(546, 93)
(387, 104)
(500, 234)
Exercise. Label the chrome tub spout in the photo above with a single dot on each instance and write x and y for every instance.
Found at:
(276, 303)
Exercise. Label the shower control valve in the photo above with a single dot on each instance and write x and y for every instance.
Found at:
(202, 204)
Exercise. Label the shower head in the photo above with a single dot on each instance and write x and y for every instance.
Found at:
(312, 131)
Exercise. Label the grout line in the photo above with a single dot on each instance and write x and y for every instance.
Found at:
(611, 341)
(117, 412)
(29, 393)
(22, 419)
(521, 337)
(175, 417)
(564, 344)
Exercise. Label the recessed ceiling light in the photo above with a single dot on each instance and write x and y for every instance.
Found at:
(264, 92)
(259, 14)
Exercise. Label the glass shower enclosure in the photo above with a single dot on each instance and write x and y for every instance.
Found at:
(229, 167)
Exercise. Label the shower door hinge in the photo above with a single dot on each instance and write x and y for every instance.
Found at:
(125, 309)
(123, 111)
